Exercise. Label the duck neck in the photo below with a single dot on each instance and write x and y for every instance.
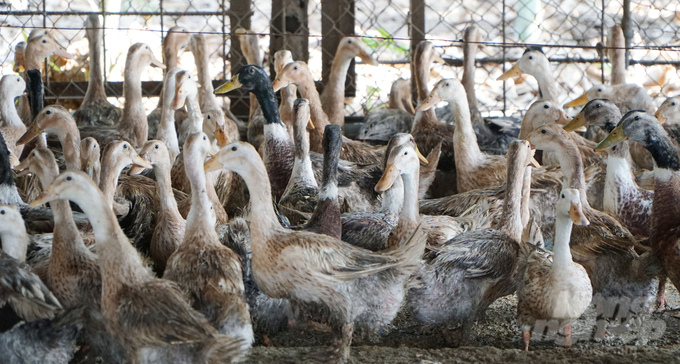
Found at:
(132, 86)
(302, 168)
(334, 93)
(393, 198)
(547, 88)
(465, 141)
(108, 180)
(620, 180)
(288, 96)
(409, 218)
(15, 242)
(561, 252)
(262, 206)
(95, 86)
(165, 193)
(572, 168)
(201, 219)
(167, 133)
(319, 117)
(69, 137)
(526, 197)
(9, 113)
(195, 116)
(119, 262)
(511, 220)
(206, 97)
(65, 232)
(468, 80)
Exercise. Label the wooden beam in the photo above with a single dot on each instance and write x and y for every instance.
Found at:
(289, 30)
(337, 21)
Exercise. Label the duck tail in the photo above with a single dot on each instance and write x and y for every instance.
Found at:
(224, 349)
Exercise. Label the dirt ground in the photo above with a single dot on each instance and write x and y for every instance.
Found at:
(497, 338)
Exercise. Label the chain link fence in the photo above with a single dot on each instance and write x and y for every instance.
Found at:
(569, 32)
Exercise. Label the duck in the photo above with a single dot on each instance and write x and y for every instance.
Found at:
(605, 248)
(298, 73)
(493, 134)
(626, 97)
(47, 333)
(668, 114)
(474, 169)
(645, 129)
(623, 198)
(288, 93)
(206, 99)
(469, 272)
(174, 43)
(206, 270)
(95, 109)
(11, 128)
(186, 93)
(168, 233)
(133, 126)
(556, 290)
(143, 313)
(380, 124)
(535, 63)
(324, 279)
(90, 154)
(375, 230)
(54, 119)
(251, 51)
(302, 190)
(333, 96)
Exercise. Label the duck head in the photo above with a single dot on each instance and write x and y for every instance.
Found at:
(250, 77)
(595, 92)
(281, 59)
(600, 112)
(40, 162)
(120, 153)
(140, 55)
(448, 90)
(351, 47)
(637, 125)
(41, 44)
(68, 186)
(12, 86)
(90, 152)
(185, 86)
(292, 73)
(547, 137)
(402, 157)
(669, 111)
(154, 152)
(175, 42)
(540, 113)
(533, 61)
(20, 57)
(52, 119)
(569, 206)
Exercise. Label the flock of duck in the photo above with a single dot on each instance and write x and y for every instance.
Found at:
(168, 238)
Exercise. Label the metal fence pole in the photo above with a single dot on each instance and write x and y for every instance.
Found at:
(627, 25)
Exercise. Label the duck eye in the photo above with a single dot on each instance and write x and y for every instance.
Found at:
(543, 131)
(405, 153)
(598, 106)
(349, 41)
(147, 47)
(48, 112)
(68, 178)
(233, 148)
(599, 90)
(208, 116)
(531, 57)
(673, 103)
(156, 146)
(295, 67)
(447, 84)
(251, 71)
(204, 138)
(546, 106)
(44, 41)
(563, 195)
(637, 118)
(18, 79)
(2, 212)
(125, 146)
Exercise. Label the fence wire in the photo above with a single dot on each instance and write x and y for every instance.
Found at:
(569, 32)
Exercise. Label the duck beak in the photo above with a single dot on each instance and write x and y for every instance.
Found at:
(391, 173)
(430, 102)
(279, 84)
(421, 157)
(615, 137)
(31, 133)
(19, 63)
(580, 101)
(534, 163)
(659, 116)
(156, 63)
(178, 100)
(45, 197)
(21, 169)
(212, 164)
(141, 162)
(578, 122)
(310, 125)
(61, 52)
(135, 170)
(221, 136)
(439, 59)
(577, 216)
(511, 73)
(229, 86)
(367, 58)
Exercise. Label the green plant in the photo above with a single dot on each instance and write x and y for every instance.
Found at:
(387, 41)
(371, 94)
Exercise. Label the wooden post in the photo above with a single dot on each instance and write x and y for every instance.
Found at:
(239, 17)
(417, 32)
(337, 21)
(289, 30)
(627, 25)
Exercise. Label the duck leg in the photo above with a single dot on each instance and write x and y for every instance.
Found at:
(526, 335)
(661, 294)
(345, 341)
(567, 336)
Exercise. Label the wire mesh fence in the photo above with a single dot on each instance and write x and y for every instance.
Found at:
(569, 32)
